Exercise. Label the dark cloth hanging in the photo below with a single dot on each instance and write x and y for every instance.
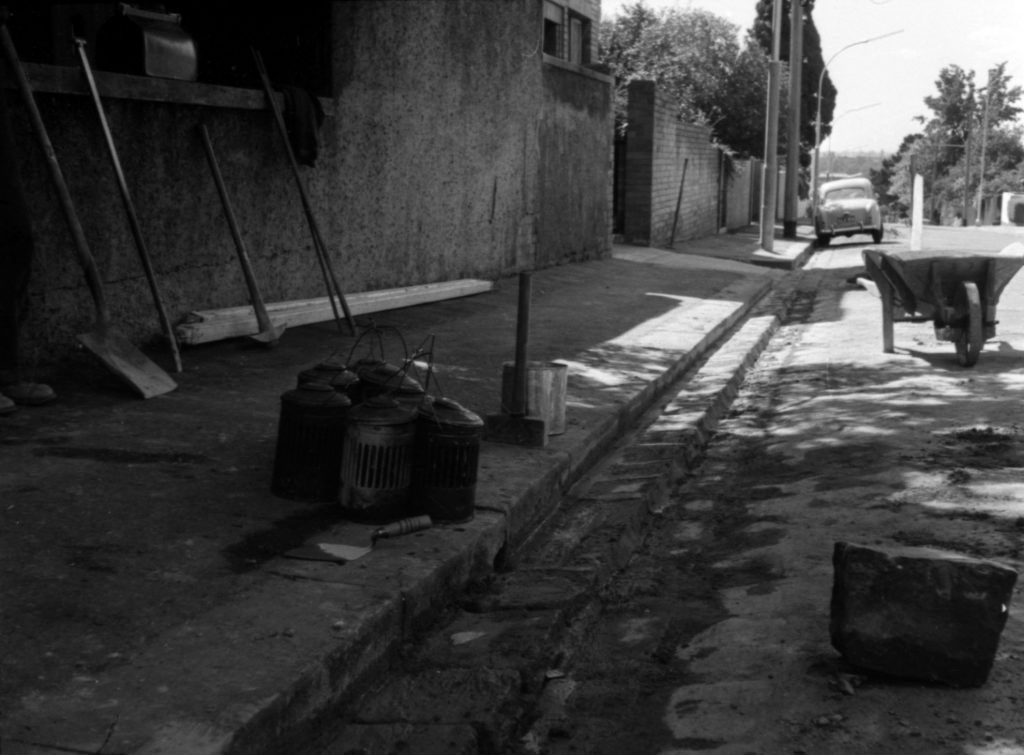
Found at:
(303, 116)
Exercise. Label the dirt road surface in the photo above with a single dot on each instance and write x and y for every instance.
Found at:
(715, 638)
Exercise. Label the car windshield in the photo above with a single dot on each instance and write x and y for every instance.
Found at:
(852, 192)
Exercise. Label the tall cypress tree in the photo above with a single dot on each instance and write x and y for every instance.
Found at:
(813, 65)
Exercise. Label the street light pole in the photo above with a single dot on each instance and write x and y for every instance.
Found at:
(817, 118)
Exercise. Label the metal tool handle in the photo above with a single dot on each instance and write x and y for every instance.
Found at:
(402, 527)
(133, 219)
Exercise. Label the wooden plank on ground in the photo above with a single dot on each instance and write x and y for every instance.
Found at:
(203, 326)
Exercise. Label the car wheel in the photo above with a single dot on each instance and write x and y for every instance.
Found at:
(876, 236)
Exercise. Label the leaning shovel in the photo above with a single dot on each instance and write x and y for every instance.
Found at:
(133, 219)
(269, 333)
(111, 347)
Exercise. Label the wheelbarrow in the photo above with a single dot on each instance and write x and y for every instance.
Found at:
(957, 291)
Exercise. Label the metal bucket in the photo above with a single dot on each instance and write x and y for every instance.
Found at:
(447, 456)
(146, 43)
(310, 438)
(376, 464)
(546, 387)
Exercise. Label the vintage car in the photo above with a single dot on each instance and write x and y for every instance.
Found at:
(845, 207)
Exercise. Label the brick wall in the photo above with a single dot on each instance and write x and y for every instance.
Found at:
(674, 186)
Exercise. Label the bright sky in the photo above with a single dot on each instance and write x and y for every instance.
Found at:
(882, 84)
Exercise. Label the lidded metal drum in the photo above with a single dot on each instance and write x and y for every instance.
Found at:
(310, 437)
(377, 377)
(376, 465)
(447, 456)
(334, 373)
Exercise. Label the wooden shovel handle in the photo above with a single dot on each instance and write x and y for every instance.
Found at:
(262, 318)
(92, 276)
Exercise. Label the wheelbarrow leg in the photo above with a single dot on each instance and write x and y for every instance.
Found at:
(888, 341)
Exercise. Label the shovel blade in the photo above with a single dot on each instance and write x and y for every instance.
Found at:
(269, 336)
(128, 363)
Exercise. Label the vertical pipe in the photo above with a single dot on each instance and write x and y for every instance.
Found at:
(796, 56)
(518, 407)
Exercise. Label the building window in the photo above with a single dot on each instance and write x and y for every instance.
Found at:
(566, 34)
(579, 39)
(554, 29)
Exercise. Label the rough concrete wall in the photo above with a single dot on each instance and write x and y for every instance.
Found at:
(429, 170)
(575, 133)
(436, 137)
(659, 148)
(182, 224)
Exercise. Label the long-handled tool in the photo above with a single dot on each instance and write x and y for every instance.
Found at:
(513, 425)
(333, 289)
(269, 333)
(133, 219)
(126, 361)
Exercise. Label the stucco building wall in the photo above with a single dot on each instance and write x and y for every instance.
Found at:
(443, 133)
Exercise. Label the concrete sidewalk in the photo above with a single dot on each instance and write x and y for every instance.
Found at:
(146, 604)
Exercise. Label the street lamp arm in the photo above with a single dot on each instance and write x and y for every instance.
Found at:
(817, 118)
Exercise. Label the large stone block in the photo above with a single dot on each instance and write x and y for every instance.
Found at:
(919, 612)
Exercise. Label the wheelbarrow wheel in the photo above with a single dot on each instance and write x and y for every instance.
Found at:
(971, 338)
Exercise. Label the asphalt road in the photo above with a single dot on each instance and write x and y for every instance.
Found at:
(715, 637)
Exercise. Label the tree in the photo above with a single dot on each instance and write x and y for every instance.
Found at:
(743, 103)
(696, 57)
(812, 66)
(891, 181)
(961, 111)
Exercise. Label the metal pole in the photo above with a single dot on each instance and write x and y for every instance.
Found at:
(984, 142)
(796, 56)
(967, 172)
(771, 136)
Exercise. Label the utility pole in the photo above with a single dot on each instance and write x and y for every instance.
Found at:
(770, 174)
(796, 57)
(984, 142)
(967, 171)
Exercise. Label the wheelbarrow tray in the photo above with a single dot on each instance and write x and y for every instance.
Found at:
(918, 286)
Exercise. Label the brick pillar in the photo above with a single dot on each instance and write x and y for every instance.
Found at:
(639, 163)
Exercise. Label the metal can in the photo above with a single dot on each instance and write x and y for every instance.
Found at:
(447, 458)
(310, 437)
(376, 467)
